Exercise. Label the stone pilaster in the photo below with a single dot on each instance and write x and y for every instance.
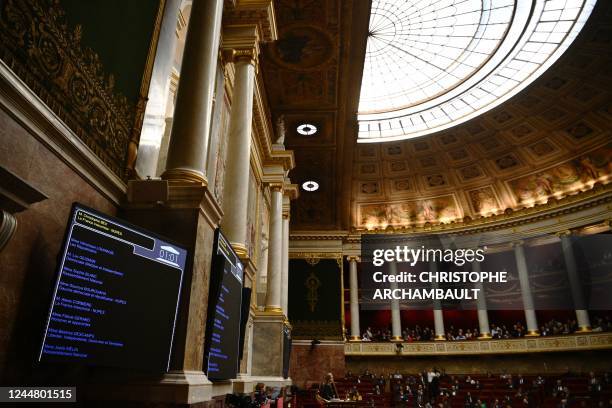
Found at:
(154, 124)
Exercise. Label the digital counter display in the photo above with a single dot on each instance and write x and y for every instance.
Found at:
(224, 309)
(116, 295)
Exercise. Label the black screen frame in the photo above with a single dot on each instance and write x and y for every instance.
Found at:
(57, 275)
(216, 279)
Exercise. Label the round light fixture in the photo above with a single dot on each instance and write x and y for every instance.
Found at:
(307, 129)
(310, 185)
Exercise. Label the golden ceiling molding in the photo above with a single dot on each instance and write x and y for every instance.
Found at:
(510, 218)
(292, 191)
(594, 200)
(318, 235)
(313, 257)
(260, 12)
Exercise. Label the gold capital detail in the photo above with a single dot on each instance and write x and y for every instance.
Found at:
(564, 233)
(248, 55)
(277, 187)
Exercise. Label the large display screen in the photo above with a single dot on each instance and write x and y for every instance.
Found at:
(224, 309)
(116, 295)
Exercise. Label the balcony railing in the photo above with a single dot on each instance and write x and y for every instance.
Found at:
(576, 342)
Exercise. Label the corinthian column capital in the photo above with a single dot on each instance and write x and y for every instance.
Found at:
(241, 44)
(276, 187)
(564, 233)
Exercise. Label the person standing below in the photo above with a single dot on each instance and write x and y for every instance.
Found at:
(328, 390)
(433, 383)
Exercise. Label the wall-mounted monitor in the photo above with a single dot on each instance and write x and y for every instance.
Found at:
(221, 356)
(116, 295)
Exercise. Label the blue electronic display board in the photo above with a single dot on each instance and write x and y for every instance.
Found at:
(221, 355)
(116, 296)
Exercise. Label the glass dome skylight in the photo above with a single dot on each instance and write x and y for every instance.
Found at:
(432, 64)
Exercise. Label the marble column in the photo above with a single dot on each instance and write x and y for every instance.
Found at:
(439, 325)
(354, 299)
(523, 274)
(154, 123)
(236, 188)
(396, 322)
(582, 314)
(285, 265)
(275, 247)
(187, 151)
(439, 332)
(483, 314)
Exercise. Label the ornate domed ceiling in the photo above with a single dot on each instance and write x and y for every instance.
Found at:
(433, 64)
(551, 141)
(548, 142)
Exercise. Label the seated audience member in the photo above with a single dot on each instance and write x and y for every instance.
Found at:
(558, 389)
(460, 335)
(353, 394)
(386, 335)
(419, 399)
(594, 385)
(381, 381)
(260, 396)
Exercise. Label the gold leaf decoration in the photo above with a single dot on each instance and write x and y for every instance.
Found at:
(39, 47)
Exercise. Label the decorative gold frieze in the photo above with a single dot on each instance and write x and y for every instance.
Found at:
(591, 341)
(40, 48)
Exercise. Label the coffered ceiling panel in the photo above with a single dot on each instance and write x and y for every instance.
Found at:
(551, 140)
(306, 79)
